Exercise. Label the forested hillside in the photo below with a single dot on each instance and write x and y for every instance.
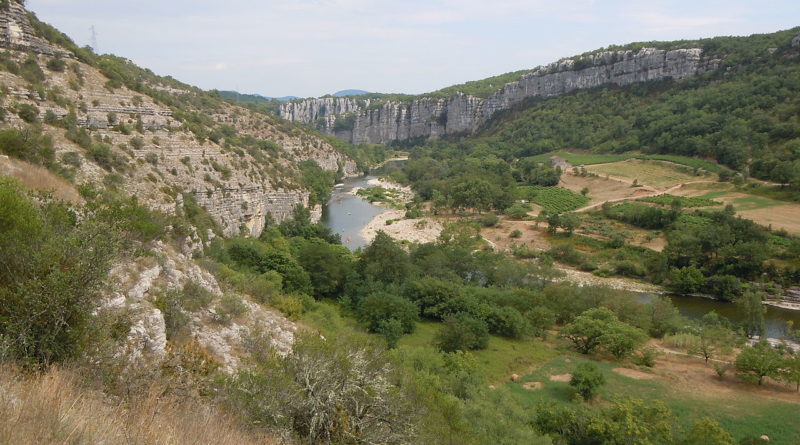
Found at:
(745, 114)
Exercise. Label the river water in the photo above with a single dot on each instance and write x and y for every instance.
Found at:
(346, 214)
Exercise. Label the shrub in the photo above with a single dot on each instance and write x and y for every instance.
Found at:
(176, 320)
(54, 267)
(489, 220)
(151, 158)
(28, 113)
(57, 64)
(462, 332)
(518, 211)
(195, 297)
(647, 357)
(71, 158)
(516, 233)
(31, 72)
(325, 392)
(229, 307)
(378, 308)
(29, 145)
(586, 379)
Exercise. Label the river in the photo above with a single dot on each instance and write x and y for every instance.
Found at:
(346, 214)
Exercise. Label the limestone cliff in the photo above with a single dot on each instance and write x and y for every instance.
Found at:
(164, 139)
(461, 113)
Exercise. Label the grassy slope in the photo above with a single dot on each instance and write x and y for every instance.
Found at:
(740, 412)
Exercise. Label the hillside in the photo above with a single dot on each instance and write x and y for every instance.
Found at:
(114, 123)
(732, 99)
(164, 277)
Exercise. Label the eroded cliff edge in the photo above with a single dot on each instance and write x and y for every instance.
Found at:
(359, 121)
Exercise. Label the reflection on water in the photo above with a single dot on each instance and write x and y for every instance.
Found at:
(693, 307)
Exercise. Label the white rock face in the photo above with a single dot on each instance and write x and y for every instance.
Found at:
(428, 117)
(137, 283)
(796, 41)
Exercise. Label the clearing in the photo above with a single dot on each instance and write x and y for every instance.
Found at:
(658, 174)
(687, 386)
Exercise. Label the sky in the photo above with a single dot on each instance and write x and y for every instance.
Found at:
(314, 47)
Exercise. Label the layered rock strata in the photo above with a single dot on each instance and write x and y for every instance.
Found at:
(430, 117)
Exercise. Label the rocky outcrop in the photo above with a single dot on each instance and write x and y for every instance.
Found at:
(313, 109)
(796, 41)
(17, 33)
(461, 113)
(136, 285)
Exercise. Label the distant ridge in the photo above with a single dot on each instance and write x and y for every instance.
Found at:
(235, 95)
(349, 93)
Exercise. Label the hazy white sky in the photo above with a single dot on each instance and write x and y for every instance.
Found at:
(315, 47)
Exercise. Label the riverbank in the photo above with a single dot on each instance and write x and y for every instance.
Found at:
(417, 230)
(587, 279)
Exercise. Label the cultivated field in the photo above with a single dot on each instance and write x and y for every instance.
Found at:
(764, 211)
(658, 174)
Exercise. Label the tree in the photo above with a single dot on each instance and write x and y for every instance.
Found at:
(569, 222)
(462, 332)
(621, 339)
(384, 260)
(759, 361)
(587, 329)
(379, 307)
(391, 330)
(752, 309)
(541, 320)
(713, 335)
(687, 280)
(586, 379)
(791, 370)
(328, 266)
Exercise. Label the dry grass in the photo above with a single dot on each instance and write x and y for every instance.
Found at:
(656, 174)
(53, 409)
(38, 178)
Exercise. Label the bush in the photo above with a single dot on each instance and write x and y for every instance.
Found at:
(375, 309)
(508, 322)
(325, 392)
(229, 307)
(28, 113)
(462, 332)
(516, 233)
(518, 211)
(54, 267)
(647, 357)
(195, 297)
(29, 145)
(586, 379)
(489, 220)
(57, 64)
(71, 158)
(541, 319)
(176, 320)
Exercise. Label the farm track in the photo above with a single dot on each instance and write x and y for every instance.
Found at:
(646, 195)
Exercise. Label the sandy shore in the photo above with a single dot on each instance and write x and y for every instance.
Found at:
(587, 279)
(419, 230)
